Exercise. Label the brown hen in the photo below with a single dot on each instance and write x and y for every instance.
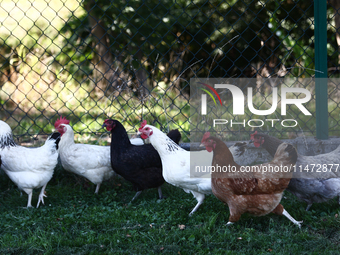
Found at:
(254, 191)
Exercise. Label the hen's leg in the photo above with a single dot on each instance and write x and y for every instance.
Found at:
(298, 223)
(200, 198)
(97, 188)
(160, 194)
(281, 211)
(234, 216)
(137, 194)
(29, 199)
(308, 206)
(42, 195)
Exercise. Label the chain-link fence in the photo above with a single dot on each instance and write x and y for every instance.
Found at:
(133, 60)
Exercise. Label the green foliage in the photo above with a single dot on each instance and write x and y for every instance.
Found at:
(278, 31)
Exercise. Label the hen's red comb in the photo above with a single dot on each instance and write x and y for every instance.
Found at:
(205, 136)
(60, 121)
(252, 135)
(142, 125)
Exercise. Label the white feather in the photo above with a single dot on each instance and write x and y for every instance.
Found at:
(90, 161)
(28, 168)
(176, 166)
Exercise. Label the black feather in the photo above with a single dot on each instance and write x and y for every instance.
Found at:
(55, 136)
(241, 148)
(175, 135)
(140, 165)
(7, 140)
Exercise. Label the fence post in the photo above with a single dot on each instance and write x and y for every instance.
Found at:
(321, 93)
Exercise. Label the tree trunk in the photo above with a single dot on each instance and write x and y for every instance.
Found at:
(142, 77)
(105, 70)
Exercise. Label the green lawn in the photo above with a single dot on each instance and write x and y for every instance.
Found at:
(76, 221)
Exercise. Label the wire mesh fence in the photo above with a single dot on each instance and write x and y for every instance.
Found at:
(133, 60)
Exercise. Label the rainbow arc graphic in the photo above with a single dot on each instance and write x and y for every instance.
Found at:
(204, 97)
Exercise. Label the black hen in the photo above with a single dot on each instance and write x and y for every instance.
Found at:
(140, 165)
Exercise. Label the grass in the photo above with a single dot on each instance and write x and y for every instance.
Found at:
(76, 221)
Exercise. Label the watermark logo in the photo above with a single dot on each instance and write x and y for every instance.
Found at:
(238, 99)
(204, 97)
(232, 109)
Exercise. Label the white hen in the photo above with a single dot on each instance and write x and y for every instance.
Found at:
(87, 160)
(177, 166)
(28, 168)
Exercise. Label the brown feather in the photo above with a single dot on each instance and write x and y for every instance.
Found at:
(256, 193)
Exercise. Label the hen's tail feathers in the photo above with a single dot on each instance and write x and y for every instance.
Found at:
(292, 153)
(286, 152)
(238, 149)
(56, 137)
(175, 135)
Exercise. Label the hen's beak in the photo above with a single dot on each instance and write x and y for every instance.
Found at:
(202, 145)
(139, 133)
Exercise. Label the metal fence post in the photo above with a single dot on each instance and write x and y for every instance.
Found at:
(321, 93)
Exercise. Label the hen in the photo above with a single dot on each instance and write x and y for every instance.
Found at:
(307, 184)
(177, 163)
(28, 168)
(256, 192)
(87, 160)
(139, 165)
